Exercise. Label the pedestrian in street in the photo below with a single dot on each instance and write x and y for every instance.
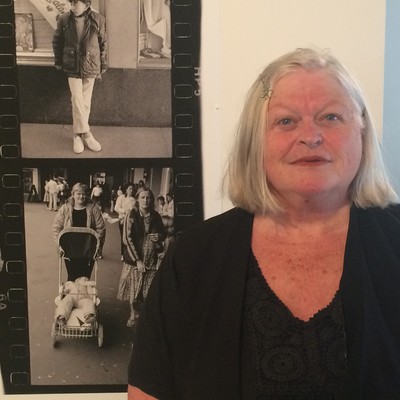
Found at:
(168, 218)
(46, 196)
(125, 202)
(96, 194)
(113, 198)
(33, 194)
(61, 191)
(160, 204)
(80, 49)
(52, 189)
(143, 234)
(78, 213)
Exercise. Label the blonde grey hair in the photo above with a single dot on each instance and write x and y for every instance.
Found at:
(81, 187)
(245, 178)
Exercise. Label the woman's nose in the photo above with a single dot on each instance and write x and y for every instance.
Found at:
(311, 135)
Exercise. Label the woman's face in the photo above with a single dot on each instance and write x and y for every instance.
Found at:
(79, 197)
(313, 138)
(77, 7)
(144, 199)
(129, 191)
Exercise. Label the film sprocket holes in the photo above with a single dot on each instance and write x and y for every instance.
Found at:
(181, 164)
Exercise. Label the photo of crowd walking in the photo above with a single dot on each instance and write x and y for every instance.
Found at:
(124, 206)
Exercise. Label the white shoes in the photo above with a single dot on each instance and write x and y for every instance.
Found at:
(78, 144)
(91, 143)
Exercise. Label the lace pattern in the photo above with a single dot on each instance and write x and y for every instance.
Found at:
(291, 358)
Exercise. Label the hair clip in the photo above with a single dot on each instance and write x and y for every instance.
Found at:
(266, 91)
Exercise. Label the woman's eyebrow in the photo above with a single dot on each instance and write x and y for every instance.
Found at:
(289, 107)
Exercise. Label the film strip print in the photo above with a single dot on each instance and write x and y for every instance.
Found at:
(186, 161)
(186, 22)
(13, 307)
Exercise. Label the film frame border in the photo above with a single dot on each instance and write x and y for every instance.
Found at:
(187, 170)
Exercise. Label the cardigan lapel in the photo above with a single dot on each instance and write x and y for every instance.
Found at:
(370, 282)
(221, 329)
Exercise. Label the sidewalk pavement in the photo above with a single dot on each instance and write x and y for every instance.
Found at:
(55, 141)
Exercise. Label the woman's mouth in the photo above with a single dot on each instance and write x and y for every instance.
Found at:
(310, 161)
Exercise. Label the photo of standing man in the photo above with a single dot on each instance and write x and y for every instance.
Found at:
(80, 50)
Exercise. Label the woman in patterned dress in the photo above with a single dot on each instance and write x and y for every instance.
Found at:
(143, 234)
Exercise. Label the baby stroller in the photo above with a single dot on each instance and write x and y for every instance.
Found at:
(74, 242)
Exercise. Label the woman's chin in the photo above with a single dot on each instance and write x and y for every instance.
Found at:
(314, 191)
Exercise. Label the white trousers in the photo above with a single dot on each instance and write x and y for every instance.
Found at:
(81, 99)
(53, 199)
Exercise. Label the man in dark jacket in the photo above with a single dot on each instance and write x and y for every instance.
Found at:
(80, 51)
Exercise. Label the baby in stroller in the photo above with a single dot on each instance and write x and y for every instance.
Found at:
(79, 294)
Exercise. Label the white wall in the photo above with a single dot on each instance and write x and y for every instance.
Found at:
(239, 39)
(391, 115)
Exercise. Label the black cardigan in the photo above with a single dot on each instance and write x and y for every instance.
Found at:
(187, 343)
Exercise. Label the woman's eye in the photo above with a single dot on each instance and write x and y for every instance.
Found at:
(285, 121)
(331, 117)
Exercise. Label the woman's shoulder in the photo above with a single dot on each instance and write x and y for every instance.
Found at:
(66, 207)
(385, 222)
(93, 208)
(221, 227)
(63, 213)
(122, 199)
(232, 216)
(219, 243)
(382, 214)
(134, 211)
(394, 208)
(155, 213)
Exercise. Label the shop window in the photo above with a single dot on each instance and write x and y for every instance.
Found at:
(154, 34)
(35, 26)
(143, 26)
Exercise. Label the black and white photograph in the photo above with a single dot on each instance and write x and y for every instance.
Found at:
(101, 172)
(84, 293)
(97, 83)
(95, 92)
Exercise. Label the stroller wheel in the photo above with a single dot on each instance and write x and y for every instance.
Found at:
(100, 335)
(53, 334)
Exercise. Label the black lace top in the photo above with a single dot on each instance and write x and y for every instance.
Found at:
(285, 357)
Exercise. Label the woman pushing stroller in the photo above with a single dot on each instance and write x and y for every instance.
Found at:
(78, 213)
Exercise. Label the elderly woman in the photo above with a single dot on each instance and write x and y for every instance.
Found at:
(78, 213)
(143, 235)
(294, 293)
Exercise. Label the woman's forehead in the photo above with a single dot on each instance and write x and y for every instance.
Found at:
(303, 78)
(315, 86)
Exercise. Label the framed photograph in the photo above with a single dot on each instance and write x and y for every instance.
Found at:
(24, 32)
(122, 127)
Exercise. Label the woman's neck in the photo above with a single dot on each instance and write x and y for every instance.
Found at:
(317, 205)
(144, 211)
(305, 221)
